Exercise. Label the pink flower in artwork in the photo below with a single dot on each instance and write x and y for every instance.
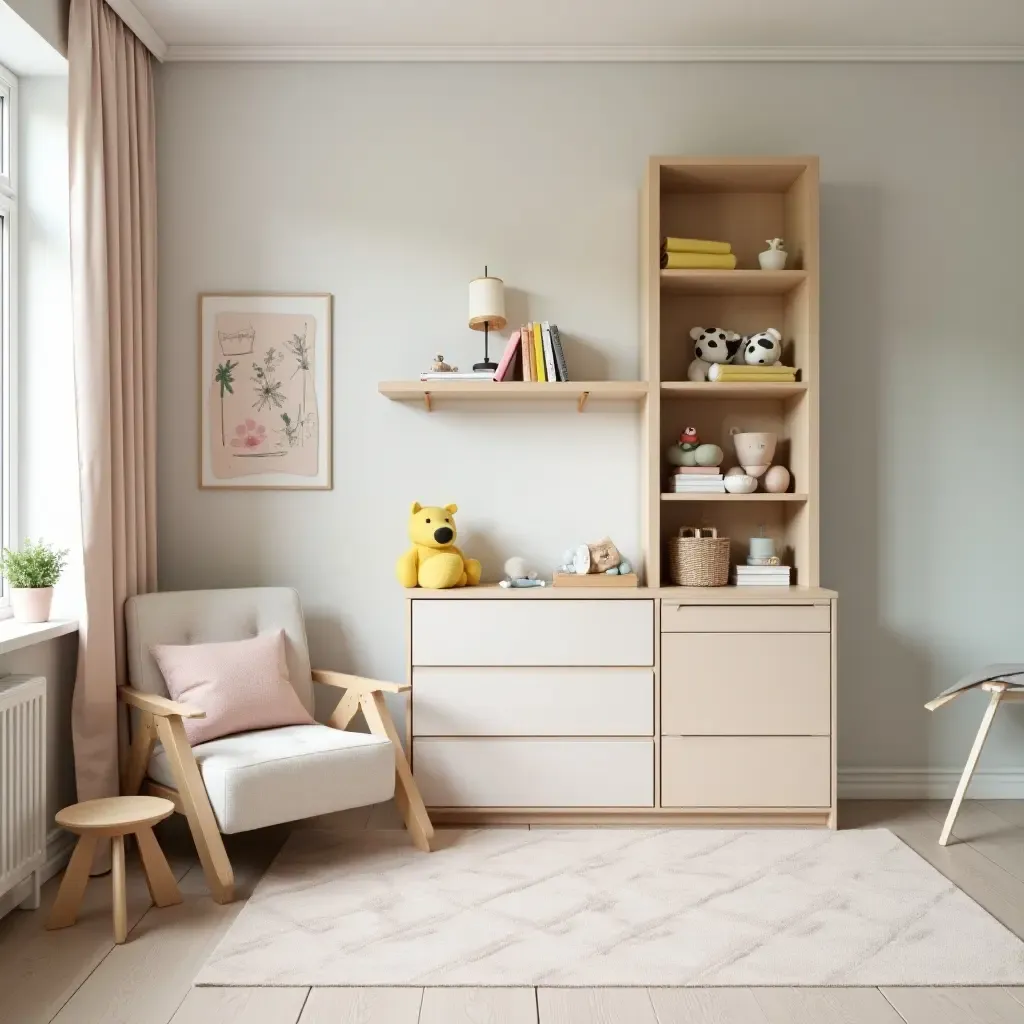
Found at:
(249, 434)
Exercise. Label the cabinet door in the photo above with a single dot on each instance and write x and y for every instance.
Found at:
(746, 771)
(767, 618)
(757, 684)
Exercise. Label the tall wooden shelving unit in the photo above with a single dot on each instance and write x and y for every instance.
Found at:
(743, 201)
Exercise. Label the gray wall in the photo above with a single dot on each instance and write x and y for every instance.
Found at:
(391, 185)
(48, 17)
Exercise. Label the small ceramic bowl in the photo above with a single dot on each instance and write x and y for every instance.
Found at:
(740, 484)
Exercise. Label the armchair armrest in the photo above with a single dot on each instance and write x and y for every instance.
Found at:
(343, 681)
(157, 705)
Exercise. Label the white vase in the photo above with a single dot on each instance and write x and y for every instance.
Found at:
(31, 604)
(772, 259)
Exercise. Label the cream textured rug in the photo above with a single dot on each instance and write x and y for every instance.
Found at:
(610, 907)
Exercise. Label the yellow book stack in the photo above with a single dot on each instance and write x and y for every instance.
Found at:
(696, 254)
(724, 373)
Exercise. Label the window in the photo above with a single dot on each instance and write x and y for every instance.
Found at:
(8, 304)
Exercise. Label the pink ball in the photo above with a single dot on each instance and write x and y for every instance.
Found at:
(776, 480)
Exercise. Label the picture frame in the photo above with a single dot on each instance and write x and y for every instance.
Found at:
(265, 390)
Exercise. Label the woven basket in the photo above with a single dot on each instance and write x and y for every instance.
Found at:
(699, 558)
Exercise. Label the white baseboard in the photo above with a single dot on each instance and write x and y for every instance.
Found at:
(58, 851)
(928, 783)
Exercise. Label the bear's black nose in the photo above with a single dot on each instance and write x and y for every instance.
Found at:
(443, 535)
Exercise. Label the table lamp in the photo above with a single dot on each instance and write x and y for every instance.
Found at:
(486, 313)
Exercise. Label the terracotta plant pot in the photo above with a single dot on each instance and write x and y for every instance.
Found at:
(31, 604)
(754, 451)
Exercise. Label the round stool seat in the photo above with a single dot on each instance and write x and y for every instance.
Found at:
(114, 815)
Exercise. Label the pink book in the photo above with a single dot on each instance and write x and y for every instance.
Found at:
(505, 366)
(696, 471)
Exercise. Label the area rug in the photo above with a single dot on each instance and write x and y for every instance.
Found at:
(603, 907)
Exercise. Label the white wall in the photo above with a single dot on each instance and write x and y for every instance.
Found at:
(392, 185)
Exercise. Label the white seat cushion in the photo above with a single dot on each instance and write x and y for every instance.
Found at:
(264, 778)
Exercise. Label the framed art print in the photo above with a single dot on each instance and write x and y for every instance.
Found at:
(265, 391)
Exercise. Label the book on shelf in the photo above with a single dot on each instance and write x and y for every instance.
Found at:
(697, 471)
(709, 487)
(761, 570)
(556, 344)
(728, 372)
(549, 353)
(533, 353)
(451, 375)
(507, 367)
(538, 354)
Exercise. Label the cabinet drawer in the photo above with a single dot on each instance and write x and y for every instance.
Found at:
(535, 772)
(759, 684)
(548, 632)
(764, 618)
(746, 771)
(532, 701)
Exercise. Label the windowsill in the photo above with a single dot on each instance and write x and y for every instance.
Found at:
(16, 635)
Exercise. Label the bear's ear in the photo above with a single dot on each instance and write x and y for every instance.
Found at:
(696, 332)
(772, 333)
(416, 506)
(451, 508)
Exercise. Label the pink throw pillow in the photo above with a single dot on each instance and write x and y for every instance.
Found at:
(241, 685)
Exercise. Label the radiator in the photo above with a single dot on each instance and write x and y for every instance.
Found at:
(22, 782)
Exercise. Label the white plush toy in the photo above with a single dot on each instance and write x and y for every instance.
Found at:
(763, 349)
(711, 345)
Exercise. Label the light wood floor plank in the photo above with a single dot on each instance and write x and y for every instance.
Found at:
(988, 832)
(478, 1006)
(595, 1006)
(955, 1005)
(41, 970)
(1011, 811)
(362, 1006)
(706, 1006)
(241, 1006)
(146, 980)
(825, 1006)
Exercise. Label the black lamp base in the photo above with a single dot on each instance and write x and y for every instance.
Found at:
(485, 367)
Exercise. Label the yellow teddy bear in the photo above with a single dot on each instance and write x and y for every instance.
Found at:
(434, 561)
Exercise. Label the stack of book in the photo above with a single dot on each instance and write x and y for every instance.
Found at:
(696, 254)
(761, 576)
(534, 352)
(725, 373)
(455, 375)
(696, 480)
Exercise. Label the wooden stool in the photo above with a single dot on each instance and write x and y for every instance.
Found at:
(114, 817)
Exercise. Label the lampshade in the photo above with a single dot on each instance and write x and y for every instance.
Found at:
(487, 303)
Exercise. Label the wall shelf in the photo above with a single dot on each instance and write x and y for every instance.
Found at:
(729, 391)
(714, 496)
(580, 392)
(732, 282)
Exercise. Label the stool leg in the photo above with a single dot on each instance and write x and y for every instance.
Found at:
(163, 886)
(72, 886)
(120, 895)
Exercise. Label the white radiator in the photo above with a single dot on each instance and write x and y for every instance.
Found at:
(22, 781)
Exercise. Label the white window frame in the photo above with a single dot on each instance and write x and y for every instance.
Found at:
(8, 322)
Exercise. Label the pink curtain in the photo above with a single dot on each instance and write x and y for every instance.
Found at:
(113, 272)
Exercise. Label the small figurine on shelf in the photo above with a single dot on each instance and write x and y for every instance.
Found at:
(763, 349)
(688, 451)
(602, 557)
(440, 366)
(519, 574)
(711, 345)
(774, 257)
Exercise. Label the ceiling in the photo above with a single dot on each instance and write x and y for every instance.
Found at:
(581, 29)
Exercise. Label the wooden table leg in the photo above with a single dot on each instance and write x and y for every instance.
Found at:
(120, 894)
(72, 887)
(163, 886)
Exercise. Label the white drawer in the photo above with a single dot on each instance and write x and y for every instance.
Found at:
(535, 773)
(550, 632)
(765, 618)
(532, 701)
(746, 771)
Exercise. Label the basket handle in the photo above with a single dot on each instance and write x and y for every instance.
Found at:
(698, 532)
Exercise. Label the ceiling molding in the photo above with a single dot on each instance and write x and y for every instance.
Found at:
(139, 24)
(589, 54)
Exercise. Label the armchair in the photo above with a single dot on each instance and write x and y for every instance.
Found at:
(250, 780)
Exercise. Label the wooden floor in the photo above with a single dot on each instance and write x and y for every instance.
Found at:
(78, 976)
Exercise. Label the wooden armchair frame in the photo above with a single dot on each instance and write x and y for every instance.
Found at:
(161, 719)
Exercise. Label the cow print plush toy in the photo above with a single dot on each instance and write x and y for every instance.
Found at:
(711, 345)
(763, 349)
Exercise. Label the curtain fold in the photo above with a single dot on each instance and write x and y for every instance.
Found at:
(112, 151)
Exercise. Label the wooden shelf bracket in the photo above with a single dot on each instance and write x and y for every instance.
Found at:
(581, 402)
(426, 400)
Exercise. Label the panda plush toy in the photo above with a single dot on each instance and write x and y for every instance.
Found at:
(711, 345)
(763, 349)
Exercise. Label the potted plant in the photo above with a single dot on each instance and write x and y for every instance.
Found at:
(31, 574)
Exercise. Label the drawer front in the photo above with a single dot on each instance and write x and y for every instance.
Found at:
(535, 772)
(758, 684)
(549, 632)
(532, 701)
(766, 618)
(746, 771)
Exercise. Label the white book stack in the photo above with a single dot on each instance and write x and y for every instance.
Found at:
(712, 483)
(453, 375)
(761, 575)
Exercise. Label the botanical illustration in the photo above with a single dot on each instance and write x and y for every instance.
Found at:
(262, 395)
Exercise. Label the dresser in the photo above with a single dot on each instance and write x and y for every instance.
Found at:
(649, 705)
